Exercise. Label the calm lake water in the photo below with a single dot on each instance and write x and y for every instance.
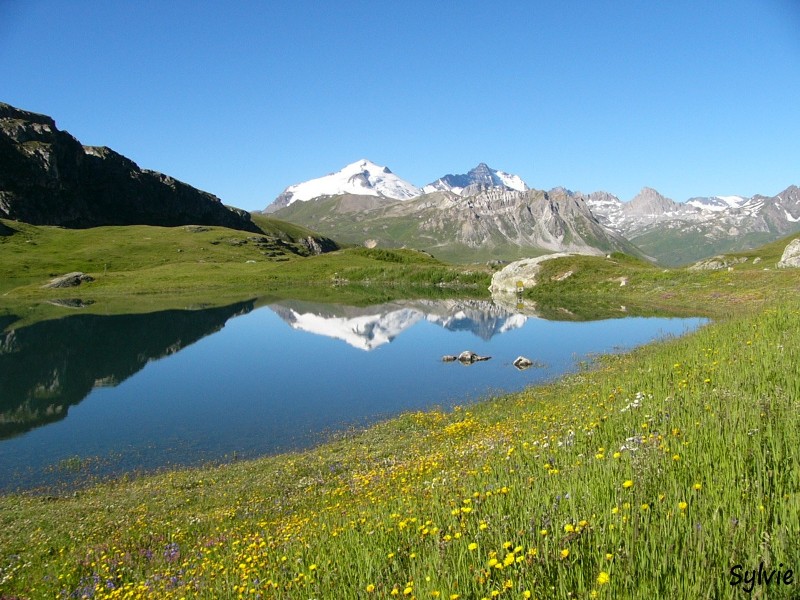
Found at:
(90, 395)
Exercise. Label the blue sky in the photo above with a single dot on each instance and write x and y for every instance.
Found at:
(245, 98)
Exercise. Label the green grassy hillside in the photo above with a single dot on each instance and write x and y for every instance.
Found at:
(138, 268)
(673, 249)
(752, 282)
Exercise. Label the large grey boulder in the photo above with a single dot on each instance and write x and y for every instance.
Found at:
(525, 271)
(69, 280)
(791, 255)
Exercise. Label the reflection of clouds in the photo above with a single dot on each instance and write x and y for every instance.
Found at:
(370, 327)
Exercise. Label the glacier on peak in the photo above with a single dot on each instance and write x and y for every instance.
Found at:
(362, 177)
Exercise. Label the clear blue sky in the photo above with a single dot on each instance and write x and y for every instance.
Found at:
(245, 98)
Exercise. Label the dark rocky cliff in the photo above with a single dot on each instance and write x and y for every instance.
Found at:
(48, 178)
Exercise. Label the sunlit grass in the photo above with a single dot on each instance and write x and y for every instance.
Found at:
(648, 476)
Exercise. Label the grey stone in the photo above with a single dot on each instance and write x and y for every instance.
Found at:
(791, 255)
(522, 363)
(69, 280)
(467, 357)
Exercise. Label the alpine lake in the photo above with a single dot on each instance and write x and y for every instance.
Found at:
(87, 396)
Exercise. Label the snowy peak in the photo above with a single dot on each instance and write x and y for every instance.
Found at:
(480, 178)
(362, 177)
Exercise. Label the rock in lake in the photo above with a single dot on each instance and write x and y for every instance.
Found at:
(449, 358)
(468, 357)
(522, 363)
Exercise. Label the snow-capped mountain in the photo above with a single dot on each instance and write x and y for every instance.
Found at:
(497, 215)
(362, 177)
(480, 178)
(365, 178)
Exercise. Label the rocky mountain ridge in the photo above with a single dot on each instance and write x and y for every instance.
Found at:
(680, 232)
(670, 232)
(48, 178)
(491, 224)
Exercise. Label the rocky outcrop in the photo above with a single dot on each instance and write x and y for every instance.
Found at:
(48, 178)
(716, 263)
(69, 280)
(319, 245)
(791, 255)
(524, 272)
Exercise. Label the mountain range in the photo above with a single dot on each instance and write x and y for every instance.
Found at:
(47, 177)
(677, 233)
(488, 213)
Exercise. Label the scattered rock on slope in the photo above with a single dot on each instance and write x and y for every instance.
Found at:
(791, 255)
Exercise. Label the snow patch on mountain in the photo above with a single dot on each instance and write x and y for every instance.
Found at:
(514, 182)
(717, 203)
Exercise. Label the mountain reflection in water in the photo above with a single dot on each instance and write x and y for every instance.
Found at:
(177, 387)
(370, 327)
(49, 366)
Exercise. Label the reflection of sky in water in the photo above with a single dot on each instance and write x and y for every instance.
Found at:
(259, 386)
